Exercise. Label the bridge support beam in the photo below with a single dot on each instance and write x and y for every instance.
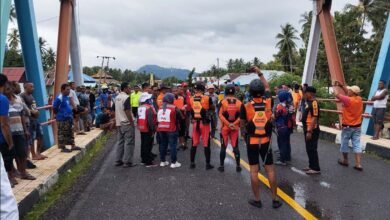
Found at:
(75, 53)
(382, 72)
(5, 7)
(33, 61)
(312, 48)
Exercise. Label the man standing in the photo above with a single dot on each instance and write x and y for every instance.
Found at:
(84, 102)
(134, 97)
(160, 97)
(187, 98)
(380, 102)
(213, 113)
(229, 114)
(64, 117)
(352, 121)
(125, 128)
(180, 103)
(35, 127)
(92, 100)
(77, 110)
(311, 130)
(256, 128)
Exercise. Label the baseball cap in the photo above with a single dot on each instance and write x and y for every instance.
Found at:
(354, 89)
(210, 87)
(144, 97)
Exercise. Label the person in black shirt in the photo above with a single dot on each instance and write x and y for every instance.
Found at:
(92, 101)
(311, 130)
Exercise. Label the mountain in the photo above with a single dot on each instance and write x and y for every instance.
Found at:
(162, 72)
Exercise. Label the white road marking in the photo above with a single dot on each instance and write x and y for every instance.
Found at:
(298, 171)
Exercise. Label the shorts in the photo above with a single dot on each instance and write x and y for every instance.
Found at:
(354, 135)
(263, 150)
(20, 145)
(65, 133)
(378, 114)
(35, 131)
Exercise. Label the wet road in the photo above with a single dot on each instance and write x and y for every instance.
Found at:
(164, 193)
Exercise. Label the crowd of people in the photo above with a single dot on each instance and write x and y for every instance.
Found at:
(178, 115)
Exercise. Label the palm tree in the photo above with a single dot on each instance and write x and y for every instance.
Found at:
(49, 59)
(12, 15)
(286, 44)
(306, 19)
(42, 45)
(14, 39)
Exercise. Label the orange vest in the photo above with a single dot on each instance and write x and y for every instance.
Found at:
(352, 114)
(160, 100)
(296, 98)
(179, 102)
(167, 119)
(258, 113)
(142, 121)
(230, 109)
(199, 103)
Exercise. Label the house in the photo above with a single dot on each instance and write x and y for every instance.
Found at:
(105, 78)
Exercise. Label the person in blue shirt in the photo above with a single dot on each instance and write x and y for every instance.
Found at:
(6, 141)
(64, 117)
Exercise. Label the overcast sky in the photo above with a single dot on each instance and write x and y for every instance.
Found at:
(176, 33)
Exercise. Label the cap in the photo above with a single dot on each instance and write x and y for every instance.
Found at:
(311, 89)
(210, 87)
(354, 89)
(144, 97)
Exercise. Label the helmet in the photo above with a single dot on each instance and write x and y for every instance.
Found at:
(230, 89)
(199, 86)
(256, 88)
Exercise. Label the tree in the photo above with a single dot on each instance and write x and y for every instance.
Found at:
(49, 59)
(12, 14)
(287, 46)
(306, 19)
(14, 39)
(190, 76)
(42, 45)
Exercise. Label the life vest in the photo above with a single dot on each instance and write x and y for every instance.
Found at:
(160, 100)
(200, 104)
(167, 119)
(179, 102)
(142, 121)
(258, 122)
(231, 109)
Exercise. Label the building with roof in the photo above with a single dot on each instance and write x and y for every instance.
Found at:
(16, 74)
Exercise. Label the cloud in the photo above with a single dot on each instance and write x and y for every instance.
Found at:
(177, 33)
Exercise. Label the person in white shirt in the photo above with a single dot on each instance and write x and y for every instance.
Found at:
(380, 103)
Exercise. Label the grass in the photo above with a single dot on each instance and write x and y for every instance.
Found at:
(65, 181)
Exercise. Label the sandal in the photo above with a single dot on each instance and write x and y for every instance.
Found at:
(75, 148)
(358, 168)
(65, 150)
(342, 163)
(28, 176)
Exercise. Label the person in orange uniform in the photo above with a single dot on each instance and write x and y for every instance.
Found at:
(201, 105)
(180, 103)
(352, 121)
(311, 130)
(256, 128)
(297, 96)
(229, 114)
(160, 97)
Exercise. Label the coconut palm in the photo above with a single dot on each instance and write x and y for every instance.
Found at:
(306, 19)
(13, 39)
(287, 46)
(42, 45)
(12, 15)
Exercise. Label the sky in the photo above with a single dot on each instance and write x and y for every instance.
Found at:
(176, 33)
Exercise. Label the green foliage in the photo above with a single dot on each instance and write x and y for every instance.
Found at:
(287, 46)
(171, 81)
(13, 58)
(190, 77)
(284, 79)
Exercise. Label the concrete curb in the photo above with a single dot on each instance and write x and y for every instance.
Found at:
(33, 197)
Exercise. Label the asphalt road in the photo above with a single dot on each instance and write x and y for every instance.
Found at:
(108, 192)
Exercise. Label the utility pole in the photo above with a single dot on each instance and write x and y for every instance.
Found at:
(101, 72)
(218, 71)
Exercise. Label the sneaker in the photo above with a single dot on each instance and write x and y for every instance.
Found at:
(148, 165)
(175, 165)
(164, 164)
(30, 165)
(238, 169)
(276, 204)
(255, 203)
(192, 166)
(127, 165)
(118, 163)
(221, 169)
(280, 163)
(209, 166)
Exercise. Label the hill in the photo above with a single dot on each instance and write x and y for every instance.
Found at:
(162, 72)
